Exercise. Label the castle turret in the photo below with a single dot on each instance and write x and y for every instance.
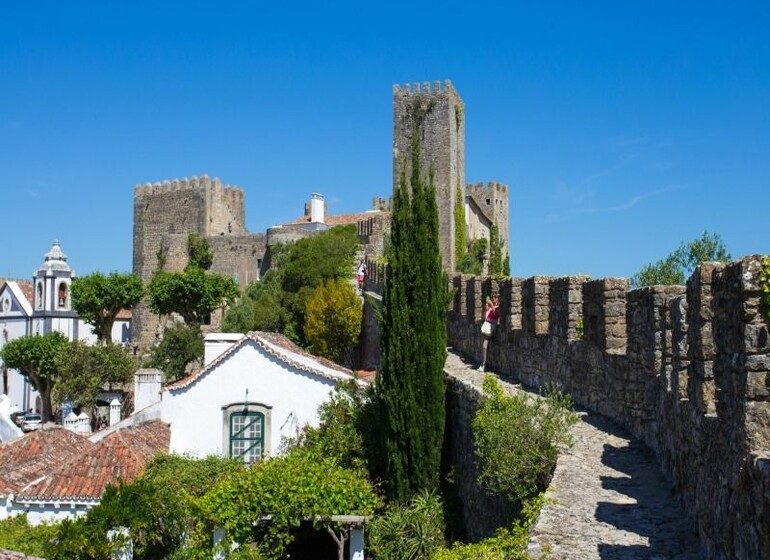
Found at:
(437, 115)
(164, 216)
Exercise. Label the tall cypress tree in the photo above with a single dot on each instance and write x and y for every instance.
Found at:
(410, 384)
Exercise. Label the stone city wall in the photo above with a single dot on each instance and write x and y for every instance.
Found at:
(685, 369)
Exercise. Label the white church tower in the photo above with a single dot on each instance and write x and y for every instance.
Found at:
(52, 305)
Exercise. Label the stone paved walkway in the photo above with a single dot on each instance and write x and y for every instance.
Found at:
(608, 498)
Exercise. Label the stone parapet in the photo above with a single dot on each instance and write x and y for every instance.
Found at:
(685, 369)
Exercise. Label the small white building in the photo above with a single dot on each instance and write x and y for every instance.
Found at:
(253, 392)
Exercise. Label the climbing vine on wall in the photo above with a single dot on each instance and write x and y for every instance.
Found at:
(460, 233)
(459, 109)
(764, 280)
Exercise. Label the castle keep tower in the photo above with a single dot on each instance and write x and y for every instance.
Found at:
(438, 117)
(166, 213)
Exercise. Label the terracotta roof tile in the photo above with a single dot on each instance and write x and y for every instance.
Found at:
(27, 290)
(37, 453)
(124, 314)
(339, 219)
(121, 455)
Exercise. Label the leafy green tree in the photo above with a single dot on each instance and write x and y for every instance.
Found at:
(159, 508)
(98, 299)
(496, 260)
(278, 301)
(679, 264)
(180, 346)
(461, 233)
(473, 260)
(708, 247)
(410, 385)
(36, 357)
(333, 321)
(193, 294)
(198, 252)
(517, 439)
(261, 307)
(665, 272)
(310, 262)
(262, 504)
(83, 370)
(340, 434)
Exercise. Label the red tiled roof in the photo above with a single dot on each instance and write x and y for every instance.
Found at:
(27, 290)
(121, 455)
(37, 453)
(124, 314)
(339, 219)
(268, 342)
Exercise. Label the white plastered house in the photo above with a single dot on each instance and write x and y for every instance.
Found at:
(252, 393)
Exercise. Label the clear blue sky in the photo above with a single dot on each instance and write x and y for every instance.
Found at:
(621, 128)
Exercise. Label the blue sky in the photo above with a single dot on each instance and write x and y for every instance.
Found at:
(621, 128)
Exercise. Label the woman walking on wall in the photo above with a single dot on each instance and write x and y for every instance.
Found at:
(491, 317)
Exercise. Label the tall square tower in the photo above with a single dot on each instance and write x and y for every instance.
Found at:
(438, 116)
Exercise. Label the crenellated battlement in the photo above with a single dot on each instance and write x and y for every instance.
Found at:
(203, 183)
(492, 187)
(381, 204)
(425, 88)
(685, 368)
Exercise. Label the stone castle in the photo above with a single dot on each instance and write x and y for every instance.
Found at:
(684, 369)
(165, 213)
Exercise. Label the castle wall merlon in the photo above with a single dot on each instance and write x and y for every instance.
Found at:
(424, 88)
(535, 304)
(648, 326)
(565, 302)
(604, 314)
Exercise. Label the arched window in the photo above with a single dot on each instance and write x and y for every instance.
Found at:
(247, 427)
(39, 301)
(63, 294)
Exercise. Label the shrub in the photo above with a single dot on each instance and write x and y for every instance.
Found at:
(517, 439)
(408, 532)
(507, 544)
(18, 535)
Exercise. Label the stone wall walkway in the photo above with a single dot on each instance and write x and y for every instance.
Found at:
(608, 499)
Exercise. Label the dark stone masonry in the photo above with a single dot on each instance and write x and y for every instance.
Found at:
(684, 370)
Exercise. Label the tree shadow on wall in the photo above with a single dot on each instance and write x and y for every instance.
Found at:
(643, 506)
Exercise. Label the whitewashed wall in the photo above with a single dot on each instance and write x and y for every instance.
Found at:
(195, 412)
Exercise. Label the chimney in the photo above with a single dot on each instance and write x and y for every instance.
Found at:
(115, 407)
(317, 205)
(147, 386)
(216, 344)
